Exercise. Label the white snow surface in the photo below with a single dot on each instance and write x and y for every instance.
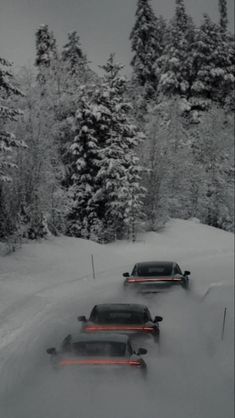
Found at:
(45, 286)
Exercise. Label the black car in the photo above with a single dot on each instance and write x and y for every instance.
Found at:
(97, 350)
(156, 276)
(127, 318)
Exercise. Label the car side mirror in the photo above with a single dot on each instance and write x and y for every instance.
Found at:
(82, 318)
(158, 319)
(51, 351)
(187, 273)
(142, 351)
(126, 275)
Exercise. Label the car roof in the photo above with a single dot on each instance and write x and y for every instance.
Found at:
(119, 307)
(102, 337)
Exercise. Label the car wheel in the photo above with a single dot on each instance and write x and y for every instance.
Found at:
(185, 283)
(156, 338)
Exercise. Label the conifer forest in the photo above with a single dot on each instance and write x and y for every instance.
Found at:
(105, 155)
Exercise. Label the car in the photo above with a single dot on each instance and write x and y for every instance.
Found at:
(128, 318)
(97, 350)
(156, 276)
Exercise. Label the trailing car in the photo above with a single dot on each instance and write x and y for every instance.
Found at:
(97, 350)
(156, 276)
(127, 318)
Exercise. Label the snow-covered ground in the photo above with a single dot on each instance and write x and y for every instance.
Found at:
(44, 286)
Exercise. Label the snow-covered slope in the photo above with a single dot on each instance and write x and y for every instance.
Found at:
(44, 286)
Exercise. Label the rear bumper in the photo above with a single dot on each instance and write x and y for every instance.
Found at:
(155, 287)
(146, 331)
(97, 364)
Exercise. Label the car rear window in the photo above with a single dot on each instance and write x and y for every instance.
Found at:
(120, 317)
(154, 270)
(99, 348)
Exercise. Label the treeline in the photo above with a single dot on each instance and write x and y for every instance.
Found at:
(101, 156)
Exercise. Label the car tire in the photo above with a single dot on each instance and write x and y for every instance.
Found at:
(156, 338)
(185, 283)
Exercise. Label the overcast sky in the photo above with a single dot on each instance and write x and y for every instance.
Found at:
(103, 25)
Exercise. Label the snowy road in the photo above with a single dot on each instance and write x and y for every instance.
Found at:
(45, 286)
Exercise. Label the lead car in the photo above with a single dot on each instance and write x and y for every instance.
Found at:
(97, 351)
(156, 276)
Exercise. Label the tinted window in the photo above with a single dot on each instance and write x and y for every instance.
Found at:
(154, 270)
(177, 270)
(99, 348)
(134, 271)
(120, 317)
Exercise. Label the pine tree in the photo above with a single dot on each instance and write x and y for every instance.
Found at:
(119, 174)
(9, 144)
(181, 18)
(82, 217)
(213, 63)
(75, 66)
(8, 113)
(106, 172)
(176, 62)
(73, 55)
(46, 50)
(46, 53)
(223, 15)
(147, 45)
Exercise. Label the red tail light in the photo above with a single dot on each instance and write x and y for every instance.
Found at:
(99, 362)
(136, 363)
(153, 280)
(96, 328)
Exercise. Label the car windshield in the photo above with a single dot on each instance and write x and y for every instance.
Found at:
(120, 317)
(149, 270)
(99, 348)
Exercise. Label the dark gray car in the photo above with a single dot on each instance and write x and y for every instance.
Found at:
(132, 319)
(97, 350)
(156, 276)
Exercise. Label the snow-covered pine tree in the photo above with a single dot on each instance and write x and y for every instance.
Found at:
(213, 63)
(120, 192)
(8, 113)
(73, 55)
(227, 60)
(147, 44)
(176, 61)
(75, 66)
(162, 39)
(46, 52)
(82, 217)
(9, 143)
(74, 78)
(223, 15)
(105, 170)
